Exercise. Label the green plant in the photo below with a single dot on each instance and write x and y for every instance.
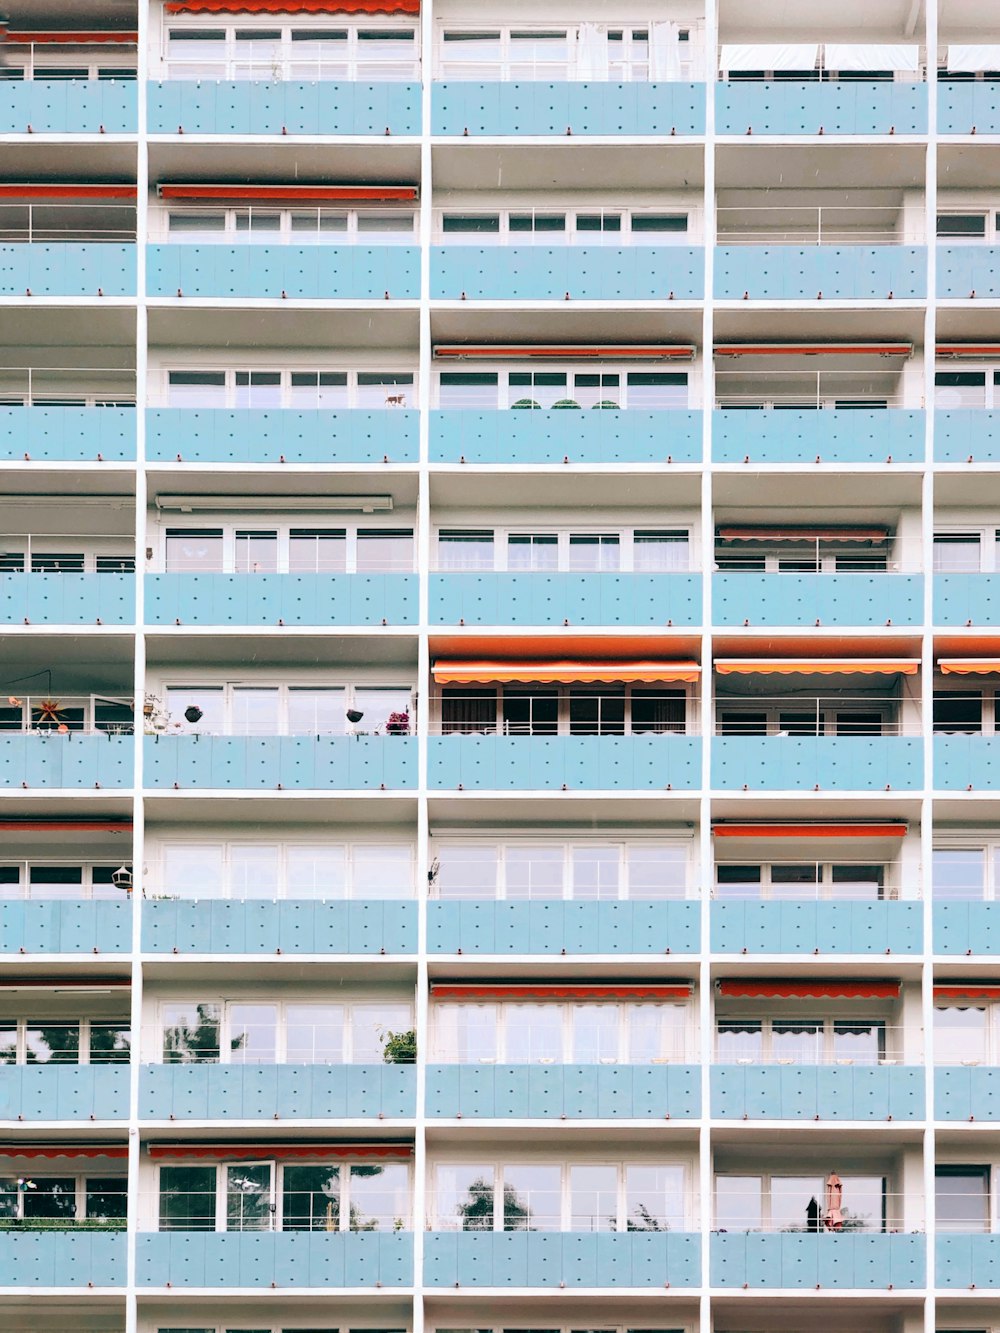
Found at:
(399, 1048)
(62, 1224)
(566, 402)
(607, 403)
(526, 402)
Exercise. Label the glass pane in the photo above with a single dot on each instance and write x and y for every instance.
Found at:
(378, 705)
(106, 1198)
(464, 1198)
(963, 1198)
(534, 1034)
(310, 1198)
(385, 552)
(595, 873)
(194, 550)
(656, 872)
(248, 1197)
(532, 1198)
(254, 868)
(596, 1029)
(380, 1198)
(858, 1043)
(594, 552)
(533, 551)
(534, 872)
(55, 882)
(382, 872)
(8, 1043)
(190, 1033)
(465, 550)
(593, 1192)
(957, 553)
(797, 1202)
(317, 551)
(654, 1198)
(317, 872)
(655, 1033)
(253, 1033)
(110, 1044)
(316, 712)
(739, 1041)
(961, 1035)
(192, 871)
(661, 552)
(467, 1033)
(467, 872)
(472, 391)
(797, 1042)
(314, 1033)
(959, 872)
(738, 1203)
(255, 712)
(256, 553)
(371, 1025)
(56, 1043)
(206, 705)
(187, 1198)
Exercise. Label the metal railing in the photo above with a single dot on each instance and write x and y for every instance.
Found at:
(94, 222)
(809, 880)
(581, 713)
(289, 65)
(497, 60)
(810, 389)
(73, 61)
(807, 1042)
(307, 1044)
(56, 717)
(792, 715)
(62, 553)
(245, 1205)
(868, 1211)
(817, 555)
(843, 224)
(274, 225)
(548, 227)
(66, 386)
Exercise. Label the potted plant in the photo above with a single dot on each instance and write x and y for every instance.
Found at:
(398, 724)
(399, 1048)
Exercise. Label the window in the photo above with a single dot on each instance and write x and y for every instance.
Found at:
(552, 1032)
(294, 550)
(30, 880)
(957, 552)
(291, 51)
(58, 1042)
(964, 873)
(304, 390)
(587, 872)
(651, 226)
(98, 1202)
(796, 1203)
(794, 881)
(591, 710)
(958, 712)
(465, 550)
(962, 1198)
(306, 871)
(801, 1041)
(965, 1034)
(960, 388)
(961, 226)
(652, 551)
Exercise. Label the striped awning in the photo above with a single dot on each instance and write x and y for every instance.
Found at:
(819, 989)
(969, 666)
(293, 6)
(564, 673)
(264, 1150)
(442, 990)
(823, 666)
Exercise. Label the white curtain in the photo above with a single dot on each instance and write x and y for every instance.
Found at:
(664, 52)
(972, 59)
(852, 55)
(769, 55)
(591, 53)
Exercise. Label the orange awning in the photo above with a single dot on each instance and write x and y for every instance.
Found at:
(969, 666)
(765, 534)
(382, 194)
(804, 666)
(809, 830)
(564, 673)
(607, 352)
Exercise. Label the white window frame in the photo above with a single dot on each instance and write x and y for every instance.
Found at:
(630, 66)
(989, 695)
(283, 847)
(353, 392)
(829, 710)
(626, 539)
(991, 1035)
(990, 370)
(624, 238)
(83, 1041)
(507, 394)
(284, 65)
(86, 887)
(564, 694)
(825, 1023)
(826, 889)
(990, 888)
(282, 530)
(284, 234)
(767, 1179)
(229, 689)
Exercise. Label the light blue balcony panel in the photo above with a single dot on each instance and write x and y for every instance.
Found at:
(67, 599)
(968, 108)
(67, 434)
(799, 600)
(221, 435)
(257, 926)
(267, 1259)
(820, 108)
(810, 928)
(553, 273)
(323, 107)
(805, 763)
(65, 761)
(558, 928)
(527, 437)
(534, 108)
(763, 1092)
(276, 1092)
(969, 1262)
(558, 1259)
(67, 268)
(968, 271)
(967, 763)
(82, 1259)
(962, 928)
(967, 435)
(563, 1092)
(573, 763)
(64, 1092)
(835, 272)
(966, 1093)
(49, 926)
(580, 600)
(805, 436)
(68, 106)
(811, 1262)
(295, 763)
(966, 599)
(298, 272)
(281, 599)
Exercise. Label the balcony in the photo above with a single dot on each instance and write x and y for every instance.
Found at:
(560, 272)
(792, 108)
(266, 1259)
(581, 600)
(68, 106)
(67, 599)
(555, 1259)
(854, 1260)
(67, 268)
(280, 599)
(966, 599)
(67, 434)
(563, 1092)
(564, 763)
(334, 107)
(970, 1262)
(563, 928)
(526, 438)
(217, 435)
(270, 272)
(231, 926)
(966, 1093)
(966, 434)
(968, 108)
(289, 763)
(71, 761)
(962, 928)
(967, 271)
(833, 272)
(68, 238)
(808, 436)
(81, 1259)
(55, 927)
(64, 1092)
(761, 1092)
(805, 763)
(557, 107)
(181, 1092)
(813, 928)
(854, 599)
(967, 763)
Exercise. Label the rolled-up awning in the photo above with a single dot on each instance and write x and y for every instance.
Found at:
(67, 37)
(293, 6)
(810, 990)
(581, 352)
(766, 534)
(564, 673)
(969, 666)
(814, 349)
(341, 194)
(446, 991)
(823, 666)
(809, 830)
(264, 1150)
(968, 991)
(66, 191)
(974, 350)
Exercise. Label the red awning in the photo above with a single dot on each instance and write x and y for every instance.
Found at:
(67, 191)
(65, 826)
(68, 38)
(255, 1152)
(12, 982)
(293, 7)
(989, 991)
(344, 194)
(564, 673)
(810, 990)
(823, 666)
(765, 534)
(447, 991)
(975, 350)
(809, 830)
(814, 349)
(607, 352)
(60, 1150)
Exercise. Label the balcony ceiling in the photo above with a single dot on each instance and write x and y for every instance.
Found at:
(759, 167)
(572, 165)
(848, 20)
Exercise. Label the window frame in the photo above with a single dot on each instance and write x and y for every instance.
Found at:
(628, 540)
(563, 696)
(353, 391)
(285, 62)
(349, 692)
(231, 529)
(506, 395)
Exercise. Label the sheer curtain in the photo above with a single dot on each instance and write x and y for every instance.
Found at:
(664, 52)
(592, 53)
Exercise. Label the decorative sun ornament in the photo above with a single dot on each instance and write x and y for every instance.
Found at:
(48, 710)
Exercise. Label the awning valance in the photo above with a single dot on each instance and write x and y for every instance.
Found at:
(969, 666)
(974, 350)
(266, 1151)
(765, 534)
(65, 37)
(971, 58)
(63, 983)
(814, 349)
(54, 1150)
(989, 991)
(810, 990)
(446, 991)
(564, 673)
(823, 666)
(768, 55)
(293, 6)
(809, 830)
(582, 352)
(65, 826)
(341, 194)
(66, 191)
